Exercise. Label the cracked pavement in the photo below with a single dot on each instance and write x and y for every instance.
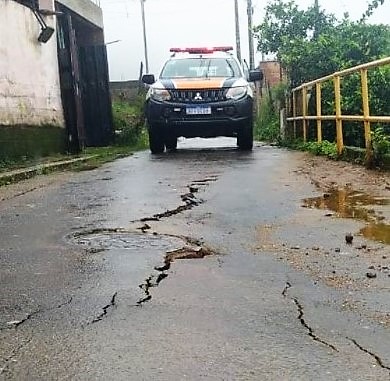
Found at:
(197, 264)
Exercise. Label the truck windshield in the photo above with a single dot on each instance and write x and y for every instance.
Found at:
(201, 68)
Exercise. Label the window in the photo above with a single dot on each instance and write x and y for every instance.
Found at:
(201, 67)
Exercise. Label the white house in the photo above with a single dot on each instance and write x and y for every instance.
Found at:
(53, 74)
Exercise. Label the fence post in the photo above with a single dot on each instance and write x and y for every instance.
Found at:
(366, 114)
(319, 112)
(339, 121)
(283, 123)
(304, 113)
(294, 114)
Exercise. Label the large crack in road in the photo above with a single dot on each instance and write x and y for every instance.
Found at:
(106, 308)
(193, 248)
(302, 320)
(186, 252)
(372, 354)
(189, 199)
(15, 324)
(310, 330)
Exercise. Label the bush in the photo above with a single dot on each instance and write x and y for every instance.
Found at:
(267, 124)
(129, 121)
(380, 144)
(324, 148)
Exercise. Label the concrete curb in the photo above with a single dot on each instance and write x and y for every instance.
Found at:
(40, 169)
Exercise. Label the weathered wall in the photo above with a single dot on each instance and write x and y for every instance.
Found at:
(29, 79)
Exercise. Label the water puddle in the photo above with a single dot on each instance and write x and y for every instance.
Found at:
(346, 203)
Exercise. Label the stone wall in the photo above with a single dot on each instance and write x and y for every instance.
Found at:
(124, 90)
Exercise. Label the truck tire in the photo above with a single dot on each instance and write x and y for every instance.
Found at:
(171, 142)
(245, 138)
(156, 141)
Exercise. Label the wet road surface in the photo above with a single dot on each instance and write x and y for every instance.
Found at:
(206, 263)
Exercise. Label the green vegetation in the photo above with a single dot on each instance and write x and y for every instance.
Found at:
(381, 145)
(129, 122)
(324, 148)
(267, 123)
(311, 44)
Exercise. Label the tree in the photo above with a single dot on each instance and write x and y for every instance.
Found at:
(311, 43)
(370, 9)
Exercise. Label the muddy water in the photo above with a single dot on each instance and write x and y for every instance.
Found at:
(347, 203)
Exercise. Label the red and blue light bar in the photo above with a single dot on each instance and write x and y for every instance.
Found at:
(202, 50)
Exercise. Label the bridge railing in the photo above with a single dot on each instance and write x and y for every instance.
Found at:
(300, 96)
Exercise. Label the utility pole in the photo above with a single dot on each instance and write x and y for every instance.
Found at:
(250, 36)
(238, 43)
(317, 15)
(144, 31)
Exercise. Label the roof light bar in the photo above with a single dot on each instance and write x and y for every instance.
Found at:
(202, 50)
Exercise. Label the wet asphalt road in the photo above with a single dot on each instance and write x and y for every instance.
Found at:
(167, 268)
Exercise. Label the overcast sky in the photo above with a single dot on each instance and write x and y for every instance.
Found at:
(180, 23)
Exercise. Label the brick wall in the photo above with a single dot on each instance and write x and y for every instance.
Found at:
(273, 73)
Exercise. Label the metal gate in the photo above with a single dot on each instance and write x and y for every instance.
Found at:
(84, 87)
(96, 98)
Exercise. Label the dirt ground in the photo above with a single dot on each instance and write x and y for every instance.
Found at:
(330, 173)
(360, 270)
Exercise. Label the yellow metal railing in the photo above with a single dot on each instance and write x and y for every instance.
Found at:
(304, 89)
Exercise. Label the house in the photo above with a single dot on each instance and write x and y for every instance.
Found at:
(54, 86)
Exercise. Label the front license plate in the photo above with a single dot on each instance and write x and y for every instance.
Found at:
(198, 110)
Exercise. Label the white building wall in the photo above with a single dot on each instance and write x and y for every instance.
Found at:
(29, 77)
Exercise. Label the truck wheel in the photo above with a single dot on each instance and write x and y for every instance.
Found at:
(156, 142)
(171, 143)
(245, 138)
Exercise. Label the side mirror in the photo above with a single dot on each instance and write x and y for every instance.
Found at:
(255, 75)
(148, 79)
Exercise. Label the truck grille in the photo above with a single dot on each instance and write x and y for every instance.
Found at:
(198, 96)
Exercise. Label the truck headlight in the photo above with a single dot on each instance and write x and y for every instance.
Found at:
(160, 94)
(237, 92)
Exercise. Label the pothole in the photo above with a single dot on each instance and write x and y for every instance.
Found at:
(126, 248)
(99, 240)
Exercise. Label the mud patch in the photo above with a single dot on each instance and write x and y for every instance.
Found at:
(347, 203)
